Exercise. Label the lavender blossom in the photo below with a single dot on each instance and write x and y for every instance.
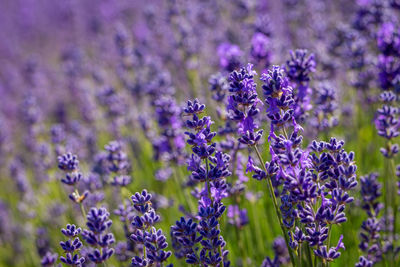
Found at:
(97, 236)
(70, 165)
(146, 234)
(71, 246)
(229, 56)
(299, 69)
(49, 259)
(118, 164)
(189, 237)
(242, 105)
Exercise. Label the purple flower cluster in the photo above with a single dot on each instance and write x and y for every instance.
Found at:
(371, 242)
(153, 240)
(70, 165)
(97, 235)
(299, 68)
(71, 247)
(260, 49)
(281, 254)
(243, 105)
(229, 56)
(316, 181)
(325, 106)
(189, 236)
(118, 164)
(168, 145)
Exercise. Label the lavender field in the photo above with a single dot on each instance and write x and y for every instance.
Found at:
(238, 133)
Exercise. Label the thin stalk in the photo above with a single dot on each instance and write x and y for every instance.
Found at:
(299, 255)
(309, 258)
(315, 260)
(208, 181)
(185, 193)
(394, 202)
(82, 210)
(272, 194)
(330, 232)
(329, 239)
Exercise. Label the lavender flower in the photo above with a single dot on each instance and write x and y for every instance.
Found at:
(49, 259)
(118, 164)
(299, 69)
(229, 56)
(325, 105)
(71, 246)
(96, 235)
(260, 49)
(281, 254)
(146, 234)
(242, 105)
(70, 165)
(188, 237)
(237, 217)
(278, 97)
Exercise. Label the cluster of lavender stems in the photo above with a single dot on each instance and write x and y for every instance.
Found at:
(387, 118)
(313, 195)
(242, 106)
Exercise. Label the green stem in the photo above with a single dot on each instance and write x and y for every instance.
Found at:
(208, 181)
(299, 255)
(394, 202)
(82, 210)
(273, 197)
(309, 257)
(315, 260)
(192, 208)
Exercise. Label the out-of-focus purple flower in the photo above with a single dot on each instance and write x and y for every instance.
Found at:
(370, 239)
(229, 56)
(364, 262)
(388, 39)
(169, 143)
(236, 216)
(387, 123)
(281, 254)
(389, 72)
(370, 192)
(219, 86)
(49, 259)
(299, 68)
(118, 164)
(325, 104)
(261, 49)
